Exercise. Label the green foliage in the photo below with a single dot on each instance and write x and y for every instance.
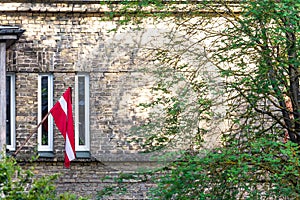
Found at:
(16, 183)
(111, 191)
(121, 183)
(19, 184)
(258, 54)
(264, 169)
(256, 48)
(261, 51)
(179, 105)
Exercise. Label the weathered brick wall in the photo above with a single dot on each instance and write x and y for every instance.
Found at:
(64, 42)
(87, 178)
(66, 38)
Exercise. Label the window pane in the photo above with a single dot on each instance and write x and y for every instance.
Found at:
(45, 101)
(44, 109)
(81, 103)
(8, 110)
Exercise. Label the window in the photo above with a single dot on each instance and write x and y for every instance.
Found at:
(45, 103)
(10, 112)
(82, 139)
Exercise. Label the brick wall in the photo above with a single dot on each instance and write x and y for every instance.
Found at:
(66, 38)
(64, 42)
(87, 178)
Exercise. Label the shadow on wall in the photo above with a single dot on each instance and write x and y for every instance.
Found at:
(124, 66)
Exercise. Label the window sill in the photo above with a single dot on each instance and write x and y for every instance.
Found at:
(83, 154)
(46, 154)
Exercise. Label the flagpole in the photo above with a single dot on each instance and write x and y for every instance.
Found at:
(31, 134)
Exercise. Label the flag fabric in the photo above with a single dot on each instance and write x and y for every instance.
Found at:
(63, 117)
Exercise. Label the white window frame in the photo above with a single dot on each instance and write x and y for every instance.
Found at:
(12, 145)
(49, 146)
(86, 146)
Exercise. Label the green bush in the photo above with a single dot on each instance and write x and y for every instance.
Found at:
(255, 47)
(264, 169)
(19, 184)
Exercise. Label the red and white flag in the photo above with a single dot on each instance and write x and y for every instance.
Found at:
(63, 117)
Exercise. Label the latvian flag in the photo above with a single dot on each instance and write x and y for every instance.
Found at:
(63, 117)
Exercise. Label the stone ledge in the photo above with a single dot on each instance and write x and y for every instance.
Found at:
(108, 168)
(135, 157)
(57, 159)
(57, 8)
(57, 1)
(114, 1)
(100, 7)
